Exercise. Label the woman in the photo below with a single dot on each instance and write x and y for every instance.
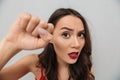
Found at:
(67, 52)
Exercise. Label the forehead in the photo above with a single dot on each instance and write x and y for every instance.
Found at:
(70, 21)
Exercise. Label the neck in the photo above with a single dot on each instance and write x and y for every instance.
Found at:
(63, 71)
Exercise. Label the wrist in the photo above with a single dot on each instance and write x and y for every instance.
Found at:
(7, 51)
(8, 47)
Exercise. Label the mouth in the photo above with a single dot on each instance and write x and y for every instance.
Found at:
(73, 55)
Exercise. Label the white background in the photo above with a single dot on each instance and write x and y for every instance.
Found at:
(103, 17)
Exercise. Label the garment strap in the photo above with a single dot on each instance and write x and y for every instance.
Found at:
(42, 76)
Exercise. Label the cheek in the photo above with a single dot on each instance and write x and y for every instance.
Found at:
(59, 45)
(82, 43)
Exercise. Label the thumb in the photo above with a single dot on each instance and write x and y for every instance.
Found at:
(45, 37)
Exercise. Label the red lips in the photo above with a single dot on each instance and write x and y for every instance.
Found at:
(73, 55)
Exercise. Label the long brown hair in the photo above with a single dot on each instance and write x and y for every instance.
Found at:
(81, 70)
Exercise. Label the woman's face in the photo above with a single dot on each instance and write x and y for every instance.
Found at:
(68, 39)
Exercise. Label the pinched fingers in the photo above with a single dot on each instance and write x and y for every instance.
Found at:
(26, 31)
(44, 33)
(45, 37)
(30, 24)
(44, 25)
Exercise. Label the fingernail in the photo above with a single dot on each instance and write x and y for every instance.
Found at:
(42, 31)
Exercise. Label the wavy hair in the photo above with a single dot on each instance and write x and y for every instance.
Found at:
(81, 70)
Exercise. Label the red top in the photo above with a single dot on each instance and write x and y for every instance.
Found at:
(42, 76)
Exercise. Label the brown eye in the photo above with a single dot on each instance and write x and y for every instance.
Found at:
(66, 34)
(81, 34)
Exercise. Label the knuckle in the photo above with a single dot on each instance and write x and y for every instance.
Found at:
(35, 19)
(25, 16)
(50, 27)
(43, 24)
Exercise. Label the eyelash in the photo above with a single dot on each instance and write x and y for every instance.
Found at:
(81, 34)
(67, 35)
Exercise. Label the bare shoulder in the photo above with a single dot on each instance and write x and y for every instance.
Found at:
(34, 65)
(32, 62)
(20, 68)
(28, 61)
(31, 59)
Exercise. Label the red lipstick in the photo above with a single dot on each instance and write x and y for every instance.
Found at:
(73, 55)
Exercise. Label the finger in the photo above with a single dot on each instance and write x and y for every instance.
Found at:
(34, 21)
(23, 20)
(45, 37)
(41, 24)
(50, 28)
(44, 34)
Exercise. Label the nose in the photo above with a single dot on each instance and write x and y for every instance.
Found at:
(75, 42)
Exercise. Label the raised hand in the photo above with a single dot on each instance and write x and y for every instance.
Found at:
(29, 32)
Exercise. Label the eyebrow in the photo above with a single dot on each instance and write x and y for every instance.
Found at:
(71, 29)
(67, 28)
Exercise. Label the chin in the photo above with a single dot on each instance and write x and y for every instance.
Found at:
(72, 61)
